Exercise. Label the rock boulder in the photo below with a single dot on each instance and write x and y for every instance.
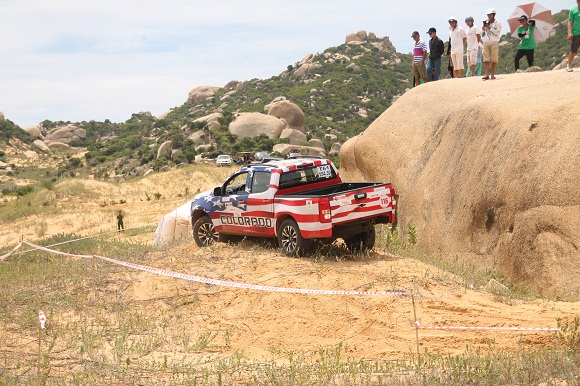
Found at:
(253, 124)
(201, 93)
(483, 178)
(292, 114)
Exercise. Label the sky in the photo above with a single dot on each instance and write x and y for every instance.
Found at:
(82, 60)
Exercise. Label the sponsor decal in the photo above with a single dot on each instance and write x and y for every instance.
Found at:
(248, 221)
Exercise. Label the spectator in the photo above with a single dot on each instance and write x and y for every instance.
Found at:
(573, 34)
(528, 43)
(457, 39)
(478, 65)
(436, 50)
(473, 39)
(419, 57)
(490, 35)
(120, 225)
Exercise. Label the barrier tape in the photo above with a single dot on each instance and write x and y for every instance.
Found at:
(3, 257)
(223, 283)
(477, 328)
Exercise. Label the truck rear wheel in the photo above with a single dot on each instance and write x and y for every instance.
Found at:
(362, 242)
(291, 241)
(204, 232)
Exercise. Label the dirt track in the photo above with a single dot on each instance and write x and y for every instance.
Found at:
(258, 323)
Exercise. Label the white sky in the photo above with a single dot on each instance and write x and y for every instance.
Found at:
(76, 60)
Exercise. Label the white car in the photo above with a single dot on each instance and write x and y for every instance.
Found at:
(223, 160)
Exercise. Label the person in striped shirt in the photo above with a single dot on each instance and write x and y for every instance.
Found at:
(419, 57)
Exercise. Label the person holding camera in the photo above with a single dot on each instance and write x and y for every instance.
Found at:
(573, 34)
(457, 39)
(490, 35)
(528, 43)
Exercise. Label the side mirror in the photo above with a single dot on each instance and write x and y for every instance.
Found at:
(217, 191)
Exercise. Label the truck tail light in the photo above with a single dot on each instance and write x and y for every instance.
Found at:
(324, 211)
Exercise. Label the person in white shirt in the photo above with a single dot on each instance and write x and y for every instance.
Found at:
(457, 38)
(473, 39)
(490, 35)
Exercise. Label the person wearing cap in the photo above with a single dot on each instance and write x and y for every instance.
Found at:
(490, 35)
(473, 38)
(457, 38)
(419, 57)
(528, 43)
(573, 34)
(436, 51)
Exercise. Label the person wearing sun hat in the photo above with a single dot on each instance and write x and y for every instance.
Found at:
(490, 35)
(528, 43)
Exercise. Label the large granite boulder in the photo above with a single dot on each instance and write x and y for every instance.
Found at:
(165, 149)
(34, 132)
(295, 137)
(292, 114)
(201, 93)
(483, 176)
(254, 124)
(212, 120)
(66, 134)
(284, 149)
(41, 145)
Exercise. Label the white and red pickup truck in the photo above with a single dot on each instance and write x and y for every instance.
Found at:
(296, 201)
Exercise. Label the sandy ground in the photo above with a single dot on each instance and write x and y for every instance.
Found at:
(372, 327)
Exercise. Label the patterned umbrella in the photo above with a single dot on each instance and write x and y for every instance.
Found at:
(533, 11)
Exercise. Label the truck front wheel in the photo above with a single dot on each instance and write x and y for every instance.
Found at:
(204, 232)
(362, 242)
(291, 241)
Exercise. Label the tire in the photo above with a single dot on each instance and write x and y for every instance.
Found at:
(204, 232)
(362, 242)
(291, 241)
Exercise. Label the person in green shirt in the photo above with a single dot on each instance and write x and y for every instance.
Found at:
(573, 34)
(528, 43)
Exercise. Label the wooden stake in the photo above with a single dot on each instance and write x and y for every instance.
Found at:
(416, 327)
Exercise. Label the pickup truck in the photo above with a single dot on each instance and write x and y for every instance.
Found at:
(296, 201)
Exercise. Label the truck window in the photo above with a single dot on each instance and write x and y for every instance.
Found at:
(236, 184)
(260, 182)
(306, 176)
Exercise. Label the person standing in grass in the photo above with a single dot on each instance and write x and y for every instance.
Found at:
(120, 224)
(573, 34)
(528, 43)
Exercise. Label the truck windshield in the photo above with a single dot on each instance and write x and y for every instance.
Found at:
(306, 176)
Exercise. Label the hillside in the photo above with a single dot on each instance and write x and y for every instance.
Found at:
(341, 91)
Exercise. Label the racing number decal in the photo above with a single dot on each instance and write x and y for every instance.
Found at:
(324, 171)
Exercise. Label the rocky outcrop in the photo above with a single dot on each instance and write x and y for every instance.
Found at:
(165, 149)
(248, 125)
(212, 121)
(3, 165)
(335, 149)
(58, 145)
(2, 117)
(482, 180)
(316, 143)
(201, 93)
(295, 137)
(41, 145)
(292, 114)
(284, 149)
(34, 132)
(199, 138)
(66, 134)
